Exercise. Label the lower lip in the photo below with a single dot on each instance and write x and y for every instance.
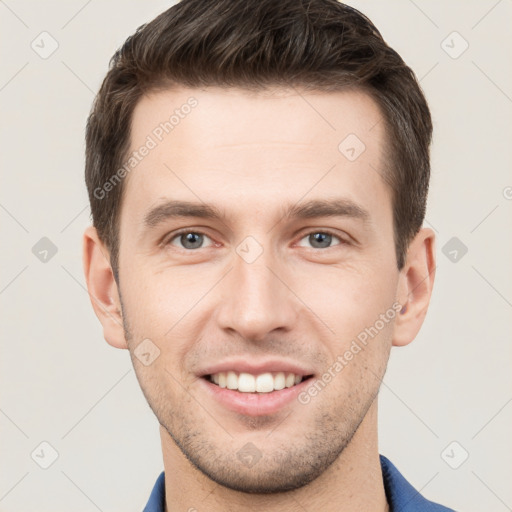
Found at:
(253, 404)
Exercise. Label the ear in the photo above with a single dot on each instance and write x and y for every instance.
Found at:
(415, 284)
(102, 288)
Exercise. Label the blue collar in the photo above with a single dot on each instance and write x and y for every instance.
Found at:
(401, 495)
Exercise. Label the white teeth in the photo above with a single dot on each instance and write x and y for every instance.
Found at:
(246, 383)
(263, 383)
(231, 380)
(279, 381)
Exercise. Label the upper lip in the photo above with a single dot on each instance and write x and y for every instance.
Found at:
(256, 367)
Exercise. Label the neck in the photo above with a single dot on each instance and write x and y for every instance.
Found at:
(352, 483)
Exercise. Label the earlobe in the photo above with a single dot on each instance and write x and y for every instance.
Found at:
(102, 288)
(415, 285)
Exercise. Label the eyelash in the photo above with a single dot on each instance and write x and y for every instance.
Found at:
(197, 232)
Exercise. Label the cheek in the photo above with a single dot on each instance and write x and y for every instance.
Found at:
(351, 303)
(347, 298)
(168, 307)
(158, 298)
(361, 314)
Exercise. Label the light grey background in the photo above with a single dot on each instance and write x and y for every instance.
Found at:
(60, 381)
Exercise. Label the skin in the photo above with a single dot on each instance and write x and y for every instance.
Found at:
(251, 155)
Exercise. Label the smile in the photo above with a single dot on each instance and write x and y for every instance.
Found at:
(262, 383)
(254, 394)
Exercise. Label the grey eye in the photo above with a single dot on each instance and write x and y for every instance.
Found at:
(189, 240)
(320, 240)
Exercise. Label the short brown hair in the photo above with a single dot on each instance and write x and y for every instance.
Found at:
(319, 45)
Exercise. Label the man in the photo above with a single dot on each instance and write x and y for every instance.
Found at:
(258, 174)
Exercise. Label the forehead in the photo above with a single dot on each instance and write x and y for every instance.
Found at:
(243, 148)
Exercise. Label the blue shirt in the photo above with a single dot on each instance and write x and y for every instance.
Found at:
(401, 495)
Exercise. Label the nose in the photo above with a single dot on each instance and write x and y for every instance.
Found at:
(256, 299)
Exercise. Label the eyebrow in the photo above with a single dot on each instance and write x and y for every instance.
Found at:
(170, 209)
(327, 208)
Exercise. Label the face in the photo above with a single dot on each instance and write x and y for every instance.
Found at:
(257, 243)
